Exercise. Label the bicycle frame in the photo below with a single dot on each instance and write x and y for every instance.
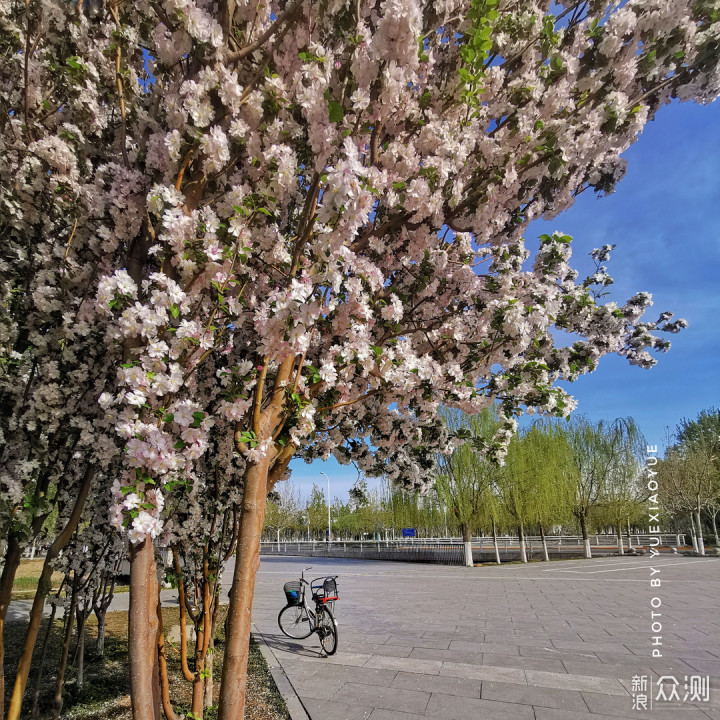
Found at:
(312, 615)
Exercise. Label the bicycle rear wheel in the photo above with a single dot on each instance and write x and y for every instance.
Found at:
(327, 630)
(294, 622)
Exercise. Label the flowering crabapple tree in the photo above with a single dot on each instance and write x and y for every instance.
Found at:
(202, 534)
(300, 225)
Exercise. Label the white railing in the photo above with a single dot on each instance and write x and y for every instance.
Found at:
(599, 541)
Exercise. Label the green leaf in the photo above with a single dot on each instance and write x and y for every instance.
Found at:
(179, 445)
(175, 311)
(335, 111)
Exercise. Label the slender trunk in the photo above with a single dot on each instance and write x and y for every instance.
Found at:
(467, 545)
(621, 549)
(701, 541)
(521, 536)
(43, 589)
(210, 679)
(35, 712)
(546, 557)
(233, 683)
(202, 642)
(100, 644)
(629, 539)
(100, 607)
(183, 606)
(82, 616)
(495, 542)
(585, 537)
(143, 633)
(208, 700)
(693, 534)
(13, 554)
(60, 682)
(162, 668)
(713, 516)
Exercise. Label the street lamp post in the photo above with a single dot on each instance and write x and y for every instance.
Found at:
(329, 522)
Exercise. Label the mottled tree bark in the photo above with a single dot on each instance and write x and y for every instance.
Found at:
(233, 683)
(143, 626)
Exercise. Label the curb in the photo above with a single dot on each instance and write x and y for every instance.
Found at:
(294, 704)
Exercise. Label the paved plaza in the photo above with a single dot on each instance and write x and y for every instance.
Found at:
(557, 641)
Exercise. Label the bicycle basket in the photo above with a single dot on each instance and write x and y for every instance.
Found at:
(293, 592)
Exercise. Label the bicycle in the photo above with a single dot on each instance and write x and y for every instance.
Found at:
(298, 620)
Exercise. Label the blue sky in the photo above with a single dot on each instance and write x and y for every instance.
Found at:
(664, 219)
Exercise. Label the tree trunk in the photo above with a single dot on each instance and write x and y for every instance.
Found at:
(621, 549)
(43, 589)
(162, 667)
(82, 616)
(100, 605)
(585, 537)
(233, 683)
(628, 535)
(100, 644)
(35, 712)
(209, 674)
(693, 534)
(467, 545)
(60, 682)
(713, 516)
(143, 633)
(546, 557)
(495, 542)
(700, 539)
(13, 554)
(521, 536)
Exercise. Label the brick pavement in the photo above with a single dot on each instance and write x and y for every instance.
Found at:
(538, 642)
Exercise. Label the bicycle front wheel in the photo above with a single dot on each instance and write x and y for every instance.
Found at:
(327, 630)
(294, 622)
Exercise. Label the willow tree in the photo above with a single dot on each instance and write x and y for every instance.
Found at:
(533, 486)
(624, 499)
(601, 453)
(465, 478)
(544, 453)
(320, 206)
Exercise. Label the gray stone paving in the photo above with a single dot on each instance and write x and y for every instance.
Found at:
(539, 642)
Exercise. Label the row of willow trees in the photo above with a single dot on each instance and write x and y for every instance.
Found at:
(558, 477)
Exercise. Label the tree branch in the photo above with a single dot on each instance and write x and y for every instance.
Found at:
(253, 46)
